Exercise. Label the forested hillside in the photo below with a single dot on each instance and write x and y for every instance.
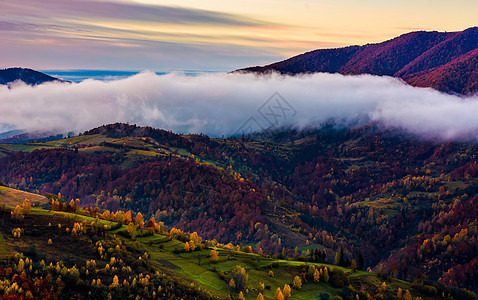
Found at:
(445, 61)
(383, 200)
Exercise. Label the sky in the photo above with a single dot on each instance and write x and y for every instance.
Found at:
(207, 35)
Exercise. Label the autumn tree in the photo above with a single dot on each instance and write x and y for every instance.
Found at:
(240, 277)
(353, 265)
(316, 276)
(214, 256)
(17, 213)
(132, 230)
(26, 207)
(186, 247)
(139, 220)
(287, 291)
(297, 283)
(278, 294)
(260, 297)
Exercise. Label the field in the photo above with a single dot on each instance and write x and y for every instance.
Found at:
(13, 197)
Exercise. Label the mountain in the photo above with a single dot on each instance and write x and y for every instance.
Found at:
(365, 197)
(443, 60)
(28, 76)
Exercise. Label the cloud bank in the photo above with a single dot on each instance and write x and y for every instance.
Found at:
(227, 104)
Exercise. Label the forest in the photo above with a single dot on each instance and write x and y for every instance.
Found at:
(364, 198)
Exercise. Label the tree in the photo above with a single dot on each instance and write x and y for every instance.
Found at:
(326, 275)
(139, 220)
(399, 293)
(186, 247)
(278, 294)
(260, 297)
(353, 265)
(26, 207)
(131, 230)
(407, 295)
(339, 257)
(383, 287)
(261, 287)
(115, 281)
(241, 296)
(297, 283)
(240, 277)
(17, 213)
(287, 291)
(214, 256)
(316, 276)
(311, 271)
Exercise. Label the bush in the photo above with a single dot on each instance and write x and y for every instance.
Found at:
(339, 279)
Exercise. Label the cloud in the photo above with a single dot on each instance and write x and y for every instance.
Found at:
(72, 10)
(222, 104)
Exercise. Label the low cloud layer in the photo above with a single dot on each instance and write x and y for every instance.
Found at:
(226, 104)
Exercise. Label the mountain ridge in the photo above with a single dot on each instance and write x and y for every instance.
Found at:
(28, 76)
(413, 57)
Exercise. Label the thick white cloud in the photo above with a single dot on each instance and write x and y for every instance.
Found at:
(219, 104)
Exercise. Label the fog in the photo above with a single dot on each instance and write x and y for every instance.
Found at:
(227, 104)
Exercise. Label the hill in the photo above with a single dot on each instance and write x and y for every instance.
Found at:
(12, 197)
(363, 196)
(442, 60)
(73, 252)
(28, 76)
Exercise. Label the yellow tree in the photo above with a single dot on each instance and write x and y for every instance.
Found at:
(192, 246)
(260, 297)
(186, 247)
(326, 275)
(139, 220)
(316, 275)
(261, 287)
(115, 281)
(196, 238)
(407, 295)
(279, 295)
(127, 217)
(287, 291)
(17, 213)
(297, 283)
(214, 256)
(26, 207)
(131, 230)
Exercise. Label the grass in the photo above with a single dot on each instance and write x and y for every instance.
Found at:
(12, 197)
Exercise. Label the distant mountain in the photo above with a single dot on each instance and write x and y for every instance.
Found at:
(28, 76)
(443, 60)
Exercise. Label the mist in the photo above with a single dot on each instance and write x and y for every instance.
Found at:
(231, 104)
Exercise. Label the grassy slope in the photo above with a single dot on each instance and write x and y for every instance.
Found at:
(13, 197)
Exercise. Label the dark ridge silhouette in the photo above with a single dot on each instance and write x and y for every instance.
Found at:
(29, 76)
